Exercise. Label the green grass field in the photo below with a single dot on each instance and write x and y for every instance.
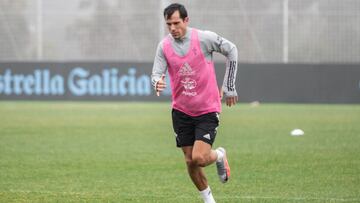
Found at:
(125, 152)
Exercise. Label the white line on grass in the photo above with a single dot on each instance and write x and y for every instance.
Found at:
(186, 197)
(291, 198)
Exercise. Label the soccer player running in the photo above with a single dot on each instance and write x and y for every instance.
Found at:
(187, 54)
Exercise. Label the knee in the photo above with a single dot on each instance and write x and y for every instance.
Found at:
(199, 160)
(189, 162)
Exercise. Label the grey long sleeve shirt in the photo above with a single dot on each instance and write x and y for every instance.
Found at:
(210, 42)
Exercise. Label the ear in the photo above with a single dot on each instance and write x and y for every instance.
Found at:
(186, 20)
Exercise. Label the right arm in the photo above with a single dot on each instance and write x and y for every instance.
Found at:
(159, 70)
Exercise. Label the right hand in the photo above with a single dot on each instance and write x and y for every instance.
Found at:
(160, 85)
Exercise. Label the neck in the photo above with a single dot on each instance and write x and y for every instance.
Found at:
(183, 37)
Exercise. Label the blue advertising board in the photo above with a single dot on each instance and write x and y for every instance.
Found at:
(112, 81)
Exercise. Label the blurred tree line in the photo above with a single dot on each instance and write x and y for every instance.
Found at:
(319, 30)
(14, 31)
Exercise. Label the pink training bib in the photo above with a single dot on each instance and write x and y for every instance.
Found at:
(192, 79)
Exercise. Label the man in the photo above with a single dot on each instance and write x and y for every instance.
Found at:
(187, 55)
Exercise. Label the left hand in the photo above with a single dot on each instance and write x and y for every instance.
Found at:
(229, 100)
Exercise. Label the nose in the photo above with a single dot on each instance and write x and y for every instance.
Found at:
(172, 27)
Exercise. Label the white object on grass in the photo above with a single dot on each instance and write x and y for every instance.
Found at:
(255, 104)
(297, 132)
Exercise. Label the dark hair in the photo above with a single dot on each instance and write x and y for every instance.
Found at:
(168, 11)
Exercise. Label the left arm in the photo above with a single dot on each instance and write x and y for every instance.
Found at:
(223, 46)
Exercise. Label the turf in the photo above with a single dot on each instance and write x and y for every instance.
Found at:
(125, 152)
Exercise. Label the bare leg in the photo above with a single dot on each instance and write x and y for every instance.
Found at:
(202, 154)
(197, 157)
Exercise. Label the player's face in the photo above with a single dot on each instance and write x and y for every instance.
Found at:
(176, 25)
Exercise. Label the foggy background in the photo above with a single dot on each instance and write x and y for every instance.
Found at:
(276, 31)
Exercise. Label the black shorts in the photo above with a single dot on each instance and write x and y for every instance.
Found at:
(189, 128)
